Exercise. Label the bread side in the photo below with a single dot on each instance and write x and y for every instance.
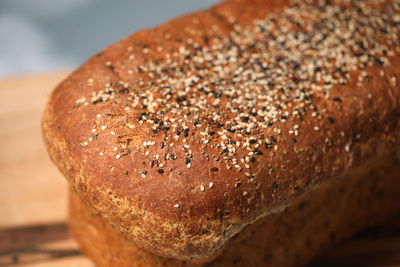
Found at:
(181, 135)
(316, 221)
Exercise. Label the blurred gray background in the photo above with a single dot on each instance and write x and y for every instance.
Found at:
(46, 35)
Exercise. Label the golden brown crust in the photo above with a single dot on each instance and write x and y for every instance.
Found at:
(116, 127)
(316, 221)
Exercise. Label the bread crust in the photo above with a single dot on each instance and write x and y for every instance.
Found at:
(189, 207)
(315, 222)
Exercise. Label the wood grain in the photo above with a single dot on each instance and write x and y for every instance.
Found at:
(36, 191)
(33, 201)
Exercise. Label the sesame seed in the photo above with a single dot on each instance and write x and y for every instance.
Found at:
(236, 95)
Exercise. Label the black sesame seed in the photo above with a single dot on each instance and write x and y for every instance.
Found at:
(97, 101)
(123, 90)
(337, 99)
(273, 139)
(275, 185)
(378, 61)
(330, 119)
(252, 159)
(187, 161)
(160, 171)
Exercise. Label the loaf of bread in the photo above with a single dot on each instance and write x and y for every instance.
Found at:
(314, 222)
(215, 136)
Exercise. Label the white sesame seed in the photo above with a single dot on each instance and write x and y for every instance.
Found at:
(261, 97)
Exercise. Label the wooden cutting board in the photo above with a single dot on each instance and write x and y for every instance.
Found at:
(33, 198)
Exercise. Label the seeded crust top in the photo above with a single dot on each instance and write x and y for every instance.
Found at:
(181, 135)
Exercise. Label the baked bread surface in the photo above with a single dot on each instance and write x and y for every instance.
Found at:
(314, 222)
(181, 135)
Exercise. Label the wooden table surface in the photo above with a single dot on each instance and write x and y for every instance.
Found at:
(33, 198)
